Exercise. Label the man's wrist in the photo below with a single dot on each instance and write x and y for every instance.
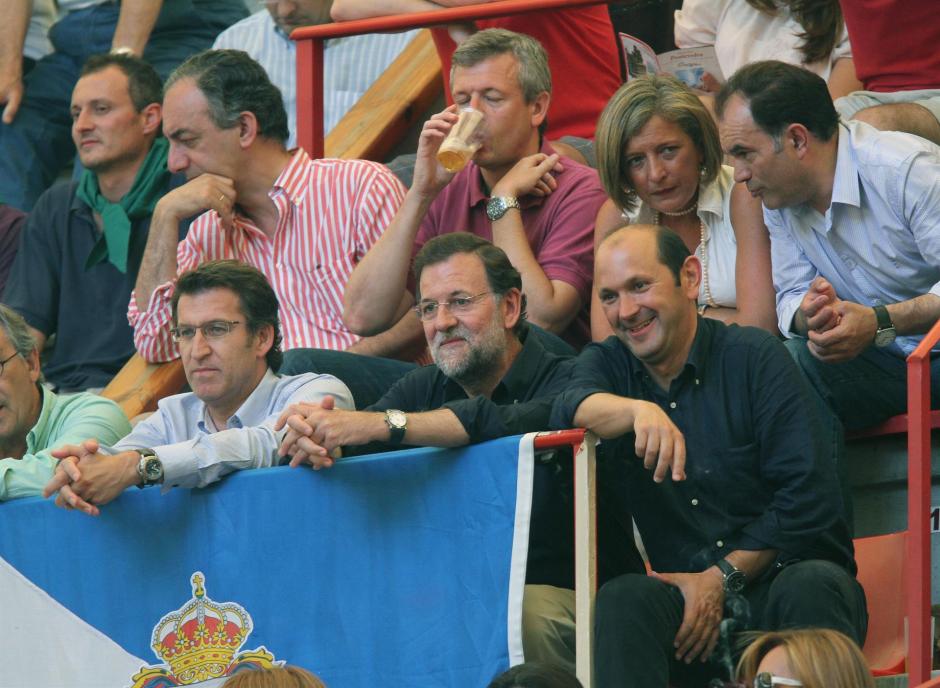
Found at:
(131, 475)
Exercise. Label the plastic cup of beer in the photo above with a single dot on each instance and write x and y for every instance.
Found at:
(463, 140)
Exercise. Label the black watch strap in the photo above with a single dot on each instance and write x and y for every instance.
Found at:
(883, 317)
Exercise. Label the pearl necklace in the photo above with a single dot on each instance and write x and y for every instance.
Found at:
(657, 216)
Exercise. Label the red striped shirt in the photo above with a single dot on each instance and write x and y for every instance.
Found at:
(330, 212)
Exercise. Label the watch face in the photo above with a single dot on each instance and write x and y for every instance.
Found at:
(153, 469)
(885, 337)
(735, 581)
(396, 418)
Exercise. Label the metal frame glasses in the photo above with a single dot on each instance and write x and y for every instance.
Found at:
(214, 329)
(427, 309)
(767, 680)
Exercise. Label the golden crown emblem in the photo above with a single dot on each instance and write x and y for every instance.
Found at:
(199, 641)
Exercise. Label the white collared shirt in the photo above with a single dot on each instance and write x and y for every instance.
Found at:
(721, 247)
(879, 241)
(194, 454)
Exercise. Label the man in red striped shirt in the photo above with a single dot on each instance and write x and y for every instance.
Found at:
(303, 223)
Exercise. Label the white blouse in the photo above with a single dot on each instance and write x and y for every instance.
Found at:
(742, 34)
(721, 248)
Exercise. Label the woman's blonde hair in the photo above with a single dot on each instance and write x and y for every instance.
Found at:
(819, 657)
(278, 677)
(628, 112)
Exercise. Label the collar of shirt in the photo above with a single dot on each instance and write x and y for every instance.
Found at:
(711, 201)
(294, 179)
(49, 399)
(846, 185)
(696, 364)
(252, 412)
(516, 383)
(478, 196)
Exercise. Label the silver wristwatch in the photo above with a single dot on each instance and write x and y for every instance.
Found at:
(149, 468)
(886, 334)
(497, 207)
(397, 423)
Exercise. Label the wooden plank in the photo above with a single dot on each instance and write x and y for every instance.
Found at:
(140, 385)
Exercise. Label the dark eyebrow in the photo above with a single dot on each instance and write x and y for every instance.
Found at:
(738, 150)
(179, 133)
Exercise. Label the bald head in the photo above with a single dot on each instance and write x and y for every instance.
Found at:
(647, 283)
(671, 251)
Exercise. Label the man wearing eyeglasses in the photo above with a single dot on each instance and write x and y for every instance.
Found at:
(226, 325)
(492, 377)
(33, 419)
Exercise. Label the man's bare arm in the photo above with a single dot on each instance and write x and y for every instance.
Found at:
(374, 290)
(16, 14)
(404, 340)
(158, 264)
(915, 316)
(135, 22)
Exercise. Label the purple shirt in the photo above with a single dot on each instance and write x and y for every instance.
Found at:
(560, 227)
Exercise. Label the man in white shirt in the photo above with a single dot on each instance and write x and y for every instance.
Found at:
(225, 321)
(852, 214)
(351, 63)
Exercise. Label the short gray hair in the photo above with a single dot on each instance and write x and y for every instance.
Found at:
(233, 83)
(17, 331)
(533, 74)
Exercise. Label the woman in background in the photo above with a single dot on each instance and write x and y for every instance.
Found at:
(659, 160)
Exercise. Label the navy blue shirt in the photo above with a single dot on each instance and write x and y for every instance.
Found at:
(760, 474)
(522, 402)
(86, 309)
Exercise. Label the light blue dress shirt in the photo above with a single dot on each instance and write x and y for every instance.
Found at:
(879, 241)
(195, 454)
(350, 64)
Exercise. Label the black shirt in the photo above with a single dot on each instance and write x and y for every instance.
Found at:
(522, 402)
(87, 309)
(759, 471)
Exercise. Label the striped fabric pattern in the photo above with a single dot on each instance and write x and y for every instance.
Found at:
(350, 64)
(330, 212)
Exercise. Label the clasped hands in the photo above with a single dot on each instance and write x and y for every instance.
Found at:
(838, 330)
(316, 432)
(85, 478)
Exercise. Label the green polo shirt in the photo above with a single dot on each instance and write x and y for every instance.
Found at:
(63, 420)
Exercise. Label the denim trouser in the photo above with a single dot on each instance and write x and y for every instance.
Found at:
(865, 391)
(38, 145)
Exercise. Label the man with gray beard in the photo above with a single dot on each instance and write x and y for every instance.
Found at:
(492, 378)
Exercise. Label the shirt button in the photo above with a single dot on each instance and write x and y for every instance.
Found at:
(694, 502)
(672, 404)
(697, 381)
(720, 543)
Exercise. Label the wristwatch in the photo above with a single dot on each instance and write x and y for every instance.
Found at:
(397, 423)
(886, 333)
(734, 579)
(149, 468)
(498, 206)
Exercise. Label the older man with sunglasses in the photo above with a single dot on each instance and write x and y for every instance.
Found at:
(226, 325)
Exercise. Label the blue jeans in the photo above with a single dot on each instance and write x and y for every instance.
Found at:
(38, 145)
(865, 391)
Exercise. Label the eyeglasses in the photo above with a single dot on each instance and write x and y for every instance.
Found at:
(427, 309)
(214, 329)
(7, 360)
(767, 680)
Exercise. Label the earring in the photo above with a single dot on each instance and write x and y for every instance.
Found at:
(702, 171)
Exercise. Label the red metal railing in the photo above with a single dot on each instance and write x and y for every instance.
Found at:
(310, 40)
(918, 507)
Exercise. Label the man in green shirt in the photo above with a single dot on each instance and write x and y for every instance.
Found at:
(34, 420)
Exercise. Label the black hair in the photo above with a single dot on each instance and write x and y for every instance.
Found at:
(256, 298)
(780, 94)
(143, 83)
